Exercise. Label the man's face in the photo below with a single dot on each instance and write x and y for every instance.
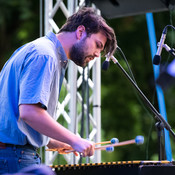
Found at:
(87, 48)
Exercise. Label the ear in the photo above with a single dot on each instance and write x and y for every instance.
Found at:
(80, 32)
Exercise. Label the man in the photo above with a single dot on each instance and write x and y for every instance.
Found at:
(30, 83)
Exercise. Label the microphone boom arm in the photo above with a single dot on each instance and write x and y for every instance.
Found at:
(168, 49)
(158, 116)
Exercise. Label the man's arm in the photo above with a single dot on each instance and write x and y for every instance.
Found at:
(41, 121)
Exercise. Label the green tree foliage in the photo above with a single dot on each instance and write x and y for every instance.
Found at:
(124, 115)
(19, 23)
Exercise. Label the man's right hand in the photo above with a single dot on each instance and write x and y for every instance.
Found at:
(85, 147)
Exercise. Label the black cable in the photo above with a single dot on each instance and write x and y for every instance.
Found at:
(140, 101)
(124, 57)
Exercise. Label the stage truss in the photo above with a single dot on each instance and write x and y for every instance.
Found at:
(80, 98)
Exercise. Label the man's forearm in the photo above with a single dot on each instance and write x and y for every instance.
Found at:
(41, 121)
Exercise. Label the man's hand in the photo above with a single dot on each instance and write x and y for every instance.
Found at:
(84, 147)
(61, 147)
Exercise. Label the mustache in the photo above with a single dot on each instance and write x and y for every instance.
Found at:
(90, 56)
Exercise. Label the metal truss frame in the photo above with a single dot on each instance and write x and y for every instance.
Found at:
(75, 102)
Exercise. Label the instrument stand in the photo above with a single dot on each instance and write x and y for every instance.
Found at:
(161, 140)
(158, 117)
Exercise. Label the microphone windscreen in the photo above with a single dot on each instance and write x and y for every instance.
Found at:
(105, 65)
(156, 60)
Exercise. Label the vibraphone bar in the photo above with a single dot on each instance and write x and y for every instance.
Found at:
(118, 168)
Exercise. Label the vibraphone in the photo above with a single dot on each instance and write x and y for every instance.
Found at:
(118, 168)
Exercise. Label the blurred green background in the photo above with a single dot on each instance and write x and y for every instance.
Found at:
(123, 116)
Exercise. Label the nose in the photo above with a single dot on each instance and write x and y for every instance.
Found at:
(97, 53)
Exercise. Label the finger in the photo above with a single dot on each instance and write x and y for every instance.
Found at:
(91, 151)
(64, 151)
(75, 153)
(68, 147)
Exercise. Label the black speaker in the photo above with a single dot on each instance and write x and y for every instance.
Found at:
(119, 8)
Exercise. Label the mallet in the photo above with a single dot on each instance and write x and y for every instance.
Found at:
(138, 140)
(113, 141)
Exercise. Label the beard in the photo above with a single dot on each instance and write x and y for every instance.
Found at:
(77, 53)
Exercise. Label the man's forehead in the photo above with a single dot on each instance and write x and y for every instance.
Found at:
(100, 36)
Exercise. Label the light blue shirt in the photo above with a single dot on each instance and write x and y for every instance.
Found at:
(32, 75)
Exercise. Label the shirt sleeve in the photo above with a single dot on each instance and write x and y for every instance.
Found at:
(35, 80)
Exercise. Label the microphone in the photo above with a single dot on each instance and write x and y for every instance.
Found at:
(106, 64)
(157, 57)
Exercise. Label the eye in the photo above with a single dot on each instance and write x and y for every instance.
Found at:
(98, 45)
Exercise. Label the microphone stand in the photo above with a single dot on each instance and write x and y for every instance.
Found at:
(161, 122)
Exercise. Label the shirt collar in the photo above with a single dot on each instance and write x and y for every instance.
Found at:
(60, 50)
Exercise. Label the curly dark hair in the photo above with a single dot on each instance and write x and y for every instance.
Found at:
(93, 23)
